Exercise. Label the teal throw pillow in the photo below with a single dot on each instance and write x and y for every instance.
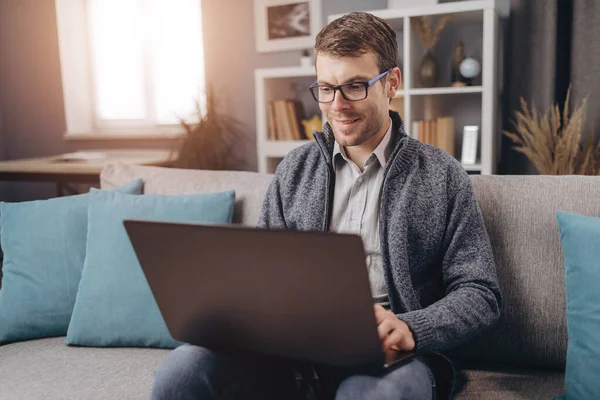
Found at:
(115, 306)
(580, 238)
(44, 249)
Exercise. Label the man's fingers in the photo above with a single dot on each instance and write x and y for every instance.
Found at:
(393, 332)
(380, 313)
(394, 340)
(378, 307)
(400, 339)
(384, 329)
(408, 342)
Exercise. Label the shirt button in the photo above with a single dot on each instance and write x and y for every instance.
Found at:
(359, 180)
(353, 217)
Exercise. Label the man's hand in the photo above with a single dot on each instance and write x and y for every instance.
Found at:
(394, 333)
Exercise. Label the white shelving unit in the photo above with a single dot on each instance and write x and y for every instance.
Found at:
(444, 90)
(276, 83)
(475, 23)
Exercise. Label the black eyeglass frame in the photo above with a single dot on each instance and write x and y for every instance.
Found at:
(335, 88)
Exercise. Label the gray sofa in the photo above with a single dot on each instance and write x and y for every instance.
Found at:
(523, 358)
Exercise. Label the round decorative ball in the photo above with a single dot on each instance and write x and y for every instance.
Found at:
(469, 67)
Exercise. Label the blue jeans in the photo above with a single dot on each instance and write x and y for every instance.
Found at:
(191, 372)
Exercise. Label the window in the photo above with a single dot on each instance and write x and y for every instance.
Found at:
(130, 67)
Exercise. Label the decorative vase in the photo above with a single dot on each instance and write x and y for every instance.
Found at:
(428, 70)
(456, 79)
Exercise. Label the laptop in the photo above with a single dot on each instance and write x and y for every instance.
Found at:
(297, 295)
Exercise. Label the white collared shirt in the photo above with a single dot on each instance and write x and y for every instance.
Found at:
(356, 206)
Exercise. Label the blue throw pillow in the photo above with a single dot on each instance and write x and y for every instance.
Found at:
(44, 249)
(580, 238)
(114, 305)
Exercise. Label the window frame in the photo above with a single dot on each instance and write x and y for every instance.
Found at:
(76, 65)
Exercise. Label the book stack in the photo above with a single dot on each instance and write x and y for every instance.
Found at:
(438, 132)
(284, 118)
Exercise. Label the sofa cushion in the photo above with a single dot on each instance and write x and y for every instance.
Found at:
(44, 249)
(250, 187)
(509, 384)
(520, 216)
(47, 369)
(580, 237)
(114, 305)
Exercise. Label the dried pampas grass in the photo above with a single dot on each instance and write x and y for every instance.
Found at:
(429, 37)
(554, 146)
(216, 141)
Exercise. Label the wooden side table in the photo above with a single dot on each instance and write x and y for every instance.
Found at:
(78, 167)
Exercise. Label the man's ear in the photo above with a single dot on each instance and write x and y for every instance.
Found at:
(395, 81)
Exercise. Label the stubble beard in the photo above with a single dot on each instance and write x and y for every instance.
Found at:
(351, 138)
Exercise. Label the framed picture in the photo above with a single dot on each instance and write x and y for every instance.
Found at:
(286, 24)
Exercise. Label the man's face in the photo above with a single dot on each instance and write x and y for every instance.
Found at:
(355, 122)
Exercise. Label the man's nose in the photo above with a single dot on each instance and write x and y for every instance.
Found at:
(339, 102)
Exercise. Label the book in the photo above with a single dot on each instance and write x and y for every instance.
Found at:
(446, 136)
(284, 128)
(284, 120)
(295, 115)
(438, 132)
(271, 121)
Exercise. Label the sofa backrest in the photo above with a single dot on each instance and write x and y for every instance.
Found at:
(520, 217)
(249, 187)
(519, 213)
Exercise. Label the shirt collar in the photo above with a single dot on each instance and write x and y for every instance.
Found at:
(382, 151)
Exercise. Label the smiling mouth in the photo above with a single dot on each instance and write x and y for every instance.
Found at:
(347, 121)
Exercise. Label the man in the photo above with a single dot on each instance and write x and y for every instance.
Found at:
(430, 262)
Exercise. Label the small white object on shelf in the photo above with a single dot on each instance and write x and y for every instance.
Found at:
(469, 68)
(469, 144)
(410, 3)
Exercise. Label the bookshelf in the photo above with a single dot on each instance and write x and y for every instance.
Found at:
(475, 23)
(273, 85)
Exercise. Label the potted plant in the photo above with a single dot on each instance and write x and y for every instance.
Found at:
(553, 141)
(428, 70)
(216, 141)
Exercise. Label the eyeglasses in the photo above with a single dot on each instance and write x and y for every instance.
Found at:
(351, 91)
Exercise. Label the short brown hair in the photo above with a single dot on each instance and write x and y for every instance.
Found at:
(357, 33)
